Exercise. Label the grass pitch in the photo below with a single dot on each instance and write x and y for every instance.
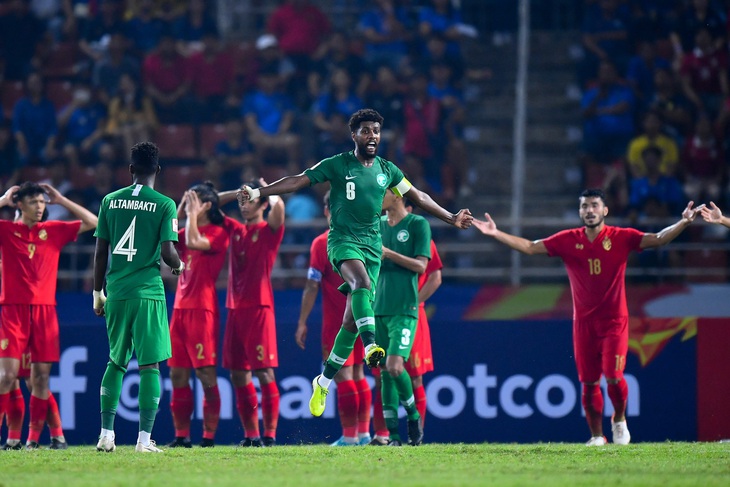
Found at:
(642, 464)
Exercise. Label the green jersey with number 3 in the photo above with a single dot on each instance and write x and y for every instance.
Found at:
(356, 197)
(135, 220)
(398, 286)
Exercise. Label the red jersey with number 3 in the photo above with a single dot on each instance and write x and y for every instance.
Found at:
(252, 257)
(596, 270)
(433, 265)
(30, 259)
(196, 285)
(321, 271)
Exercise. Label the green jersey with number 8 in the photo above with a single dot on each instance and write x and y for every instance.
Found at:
(356, 197)
(135, 220)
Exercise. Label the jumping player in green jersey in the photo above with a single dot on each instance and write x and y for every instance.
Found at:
(406, 252)
(358, 182)
(139, 225)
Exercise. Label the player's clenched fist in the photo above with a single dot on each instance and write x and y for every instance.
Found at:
(463, 219)
(247, 193)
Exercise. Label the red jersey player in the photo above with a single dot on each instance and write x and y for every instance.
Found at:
(31, 249)
(354, 397)
(194, 326)
(249, 342)
(595, 258)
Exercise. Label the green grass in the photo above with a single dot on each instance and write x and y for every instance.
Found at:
(661, 464)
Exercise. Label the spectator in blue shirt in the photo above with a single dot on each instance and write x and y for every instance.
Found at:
(34, 124)
(145, 29)
(339, 98)
(233, 160)
(83, 123)
(665, 190)
(269, 114)
(605, 38)
(443, 18)
(642, 68)
(386, 29)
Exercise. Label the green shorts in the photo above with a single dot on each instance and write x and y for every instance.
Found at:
(395, 334)
(343, 252)
(139, 325)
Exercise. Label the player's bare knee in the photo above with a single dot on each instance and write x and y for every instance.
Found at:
(394, 368)
(265, 376)
(7, 379)
(417, 381)
(207, 376)
(40, 381)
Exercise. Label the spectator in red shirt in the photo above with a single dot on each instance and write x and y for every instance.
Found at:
(167, 81)
(704, 74)
(300, 27)
(212, 79)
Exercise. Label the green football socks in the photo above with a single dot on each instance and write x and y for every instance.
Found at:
(111, 388)
(389, 394)
(362, 311)
(405, 393)
(149, 398)
(344, 343)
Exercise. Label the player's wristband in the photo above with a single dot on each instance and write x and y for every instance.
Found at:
(99, 299)
(179, 269)
(253, 193)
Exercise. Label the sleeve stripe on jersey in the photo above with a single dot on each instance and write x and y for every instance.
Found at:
(403, 187)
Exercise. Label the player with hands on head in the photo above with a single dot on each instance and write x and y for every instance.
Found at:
(194, 327)
(139, 225)
(30, 248)
(595, 257)
(358, 181)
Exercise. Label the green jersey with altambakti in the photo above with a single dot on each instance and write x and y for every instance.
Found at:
(398, 286)
(356, 197)
(135, 220)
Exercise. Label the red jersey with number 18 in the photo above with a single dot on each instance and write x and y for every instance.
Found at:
(30, 260)
(196, 285)
(252, 257)
(596, 270)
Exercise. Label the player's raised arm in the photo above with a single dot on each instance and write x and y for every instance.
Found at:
(713, 214)
(7, 198)
(287, 184)
(462, 219)
(193, 207)
(88, 219)
(489, 227)
(277, 210)
(668, 234)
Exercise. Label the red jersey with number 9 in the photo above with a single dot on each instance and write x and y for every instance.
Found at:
(596, 270)
(30, 259)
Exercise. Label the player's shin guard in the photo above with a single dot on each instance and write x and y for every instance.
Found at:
(270, 408)
(390, 404)
(247, 403)
(149, 398)
(211, 411)
(38, 413)
(618, 393)
(344, 343)
(181, 406)
(419, 393)
(53, 418)
(364, 403)
(404, 385)
(15, 414)
(593, 405)
(111, 388)
(362, 311)
(347, 403)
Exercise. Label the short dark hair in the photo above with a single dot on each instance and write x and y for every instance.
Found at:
(145, 158)
(206, 193)
(364, 115)
(594, 193)
(28, 188)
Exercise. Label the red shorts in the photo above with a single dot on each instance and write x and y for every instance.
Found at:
(24, 369)
(600, 347)
(194, 338)
(29, 328)
(421, 359)
(329, 333)
(249, 342)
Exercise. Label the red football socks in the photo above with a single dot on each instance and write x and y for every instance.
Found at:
(364, 403)
(270, 408)
(247, 403)
(53, 417)
(593, 405)
(181, 406)
(347, 405)
(419, 394)
(38, 413)
(15, 413)
(618, 393)
(211, 411)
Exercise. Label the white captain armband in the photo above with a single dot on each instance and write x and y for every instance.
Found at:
(314, 275)
(402, 188)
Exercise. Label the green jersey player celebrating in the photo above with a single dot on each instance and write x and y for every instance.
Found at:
(139, 224)
(358, 182)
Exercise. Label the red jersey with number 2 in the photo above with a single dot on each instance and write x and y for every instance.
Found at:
(196, 285)
(596, 270)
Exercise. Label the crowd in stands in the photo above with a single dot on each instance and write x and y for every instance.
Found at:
(656, 103)
(81, 81)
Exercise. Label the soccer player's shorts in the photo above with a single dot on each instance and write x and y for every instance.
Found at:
(421, 359)
(329, 333)
(194, 337)
(395, 334)
(139, 325)
(24, 369)
(367, 256)
(29, 329)
(249, 342)
(600, 347)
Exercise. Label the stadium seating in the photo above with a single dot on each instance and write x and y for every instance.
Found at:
(176, 142)
(60, 93)
(10, 93)
(210, 135)
(175, 180)
(62, 60)
(33, 173)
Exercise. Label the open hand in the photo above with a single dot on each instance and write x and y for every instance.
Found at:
(713, 214)
(690, 213)
(53, 195)
(487, 227)
(300, 336)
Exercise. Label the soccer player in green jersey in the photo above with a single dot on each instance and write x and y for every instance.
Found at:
(139, 225)
(358, 182)
(406, 252)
